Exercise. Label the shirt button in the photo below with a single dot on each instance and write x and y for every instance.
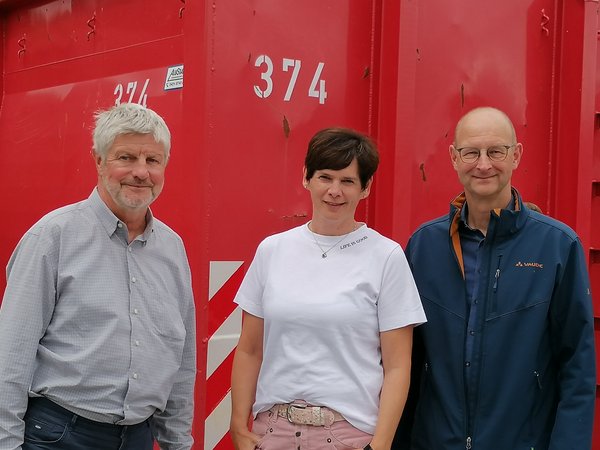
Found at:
(129, 249)
(137, 343)
(120, 225)
(467, 364)
(135, 311)
(133, 280)
(135, 376)
(472, 333)
(126, 406)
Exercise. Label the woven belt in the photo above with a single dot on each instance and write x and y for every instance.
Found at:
(302, 414)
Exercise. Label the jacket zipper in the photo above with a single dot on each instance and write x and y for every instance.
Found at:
(497, 274)
(493, 307)
(494, 300)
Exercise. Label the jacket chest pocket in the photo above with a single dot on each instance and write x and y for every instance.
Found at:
(519, 288)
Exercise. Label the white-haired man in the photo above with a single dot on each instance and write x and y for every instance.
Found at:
(97, 323)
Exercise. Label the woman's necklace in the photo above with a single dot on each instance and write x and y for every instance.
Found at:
(324, 252)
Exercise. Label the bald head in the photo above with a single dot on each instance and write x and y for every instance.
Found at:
(480, 120)
(487, 137)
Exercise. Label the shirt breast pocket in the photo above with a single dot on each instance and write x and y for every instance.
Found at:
(166, 318)
(167, 329)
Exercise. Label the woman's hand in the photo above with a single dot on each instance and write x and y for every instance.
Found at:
(244, 375)
(244, 439)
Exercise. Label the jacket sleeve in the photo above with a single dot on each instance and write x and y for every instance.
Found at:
(572, 327)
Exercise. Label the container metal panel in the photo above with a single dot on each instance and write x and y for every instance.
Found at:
(451, 57)
(262, 76)
(276, 72)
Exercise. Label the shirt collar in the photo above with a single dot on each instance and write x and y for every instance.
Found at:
(110, 222)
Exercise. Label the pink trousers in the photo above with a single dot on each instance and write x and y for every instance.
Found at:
(279, 434)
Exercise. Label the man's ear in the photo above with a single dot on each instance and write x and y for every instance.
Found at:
(98, 161)
(97, 158)
(517, 155)
(453, 156)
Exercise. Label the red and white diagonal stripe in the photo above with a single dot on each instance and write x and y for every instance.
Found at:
(224, 326)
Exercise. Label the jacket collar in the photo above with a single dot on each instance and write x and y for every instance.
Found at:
(503, 222)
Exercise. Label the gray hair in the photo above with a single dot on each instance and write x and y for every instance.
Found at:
(128, 118)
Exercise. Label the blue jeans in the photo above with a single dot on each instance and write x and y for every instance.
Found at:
(51, 427)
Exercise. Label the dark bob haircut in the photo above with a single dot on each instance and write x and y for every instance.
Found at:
(336, 148)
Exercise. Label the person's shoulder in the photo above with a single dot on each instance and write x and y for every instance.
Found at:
(378, 238)
(161, 227)
(58, 218)
(165, 233)
(537, 219)
(282, 236)
(433, 225)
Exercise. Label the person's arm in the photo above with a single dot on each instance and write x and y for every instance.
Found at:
(404, 432)
(26, 310)
(172, 427)
(396, 348)
(573, 340)
(244, 376)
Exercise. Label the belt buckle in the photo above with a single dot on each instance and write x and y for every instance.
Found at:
(288, 412)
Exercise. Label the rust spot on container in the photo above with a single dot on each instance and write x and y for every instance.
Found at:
(22, 43)
(92, 26)
(286, 127)
(366, 72)
(545, 20)
(422, 169)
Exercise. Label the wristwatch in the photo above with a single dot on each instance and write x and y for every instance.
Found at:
(368, 447)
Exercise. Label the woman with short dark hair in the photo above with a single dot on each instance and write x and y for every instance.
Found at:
(323, 361)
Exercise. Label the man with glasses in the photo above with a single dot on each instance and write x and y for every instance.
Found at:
(506, 360)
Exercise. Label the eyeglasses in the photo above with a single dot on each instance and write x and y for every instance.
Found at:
(496, 153)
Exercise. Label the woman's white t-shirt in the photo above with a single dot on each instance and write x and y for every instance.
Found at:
(322, 318)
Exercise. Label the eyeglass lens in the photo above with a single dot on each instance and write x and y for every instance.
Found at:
(472, 154)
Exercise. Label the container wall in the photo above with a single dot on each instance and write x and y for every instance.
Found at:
(448, 61)
(276, 72)
(537, 61)
(262, 76)
(62, 61)
(594, 187)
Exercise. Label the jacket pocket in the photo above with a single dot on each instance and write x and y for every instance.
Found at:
(537, 395)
